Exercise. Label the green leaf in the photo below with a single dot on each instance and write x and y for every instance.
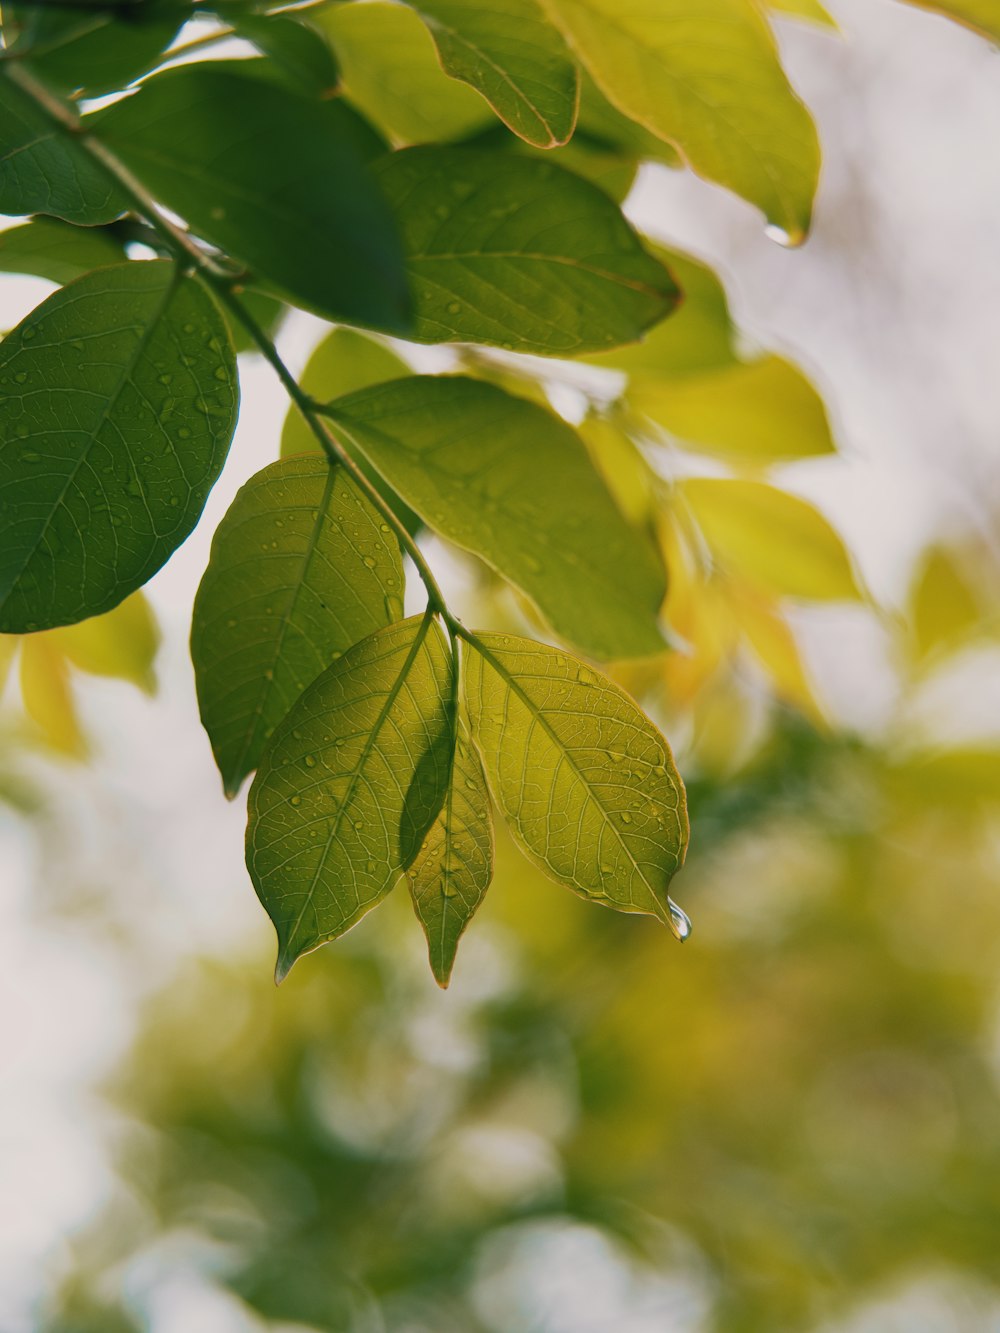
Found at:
(390, 69)
(301, 569)
(454, 866)
(981, 16)
(706, 79)
(510, 481)
(275, 180)
(349, 785)
(514, 252)
(80, 50)
(509, 52)
(44, 170)
(585, 781)
(758, 411)
(771, 538)
(119, 402)
(46, 248)
(296, 47)
(697, 337)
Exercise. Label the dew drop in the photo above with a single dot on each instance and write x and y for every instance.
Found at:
(788, 240)
(454, 308)
(21, 377)
(680, 922)
(295, 800)
(310, 761)
(626, 817)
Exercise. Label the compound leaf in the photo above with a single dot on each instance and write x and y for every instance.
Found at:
(119, 401)
(510, 481)
(515, 252)
(349, 784)
(509, 52)
(301, 569)
(707, 79)
(584, 779)
(453, 869)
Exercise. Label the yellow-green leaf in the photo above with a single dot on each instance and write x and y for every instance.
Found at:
(47, 696)
(943, 607)
(452, 871)
(771, 538)
(122, 643)
(756, 411)
(349, 784)
(980, 15)
(302, 568)
(810, 10)
(508, 51)
(511, 482)
(707, 79)
(584, 779)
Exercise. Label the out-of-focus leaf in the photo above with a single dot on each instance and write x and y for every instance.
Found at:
(8, 651)
(79, 49)
(943, 608)
(47, 248)
(122, 643)
(301, 569)
(774, 646)
(349, 785)
(698, 337)
(514, 252)
(771, 538)
(47, 697)
(391, 71)
(702, 625)
(296, 47)
(757, 411)
(585, 781)
(119, 403)
(804, 9)
(453, 868)
(597, 117)
(275, 179)
(511, 482)
(509, 52)
(267, 310)
(44, 170)
(708, 80)
(625, 471)
(960, 778)
(981, 15)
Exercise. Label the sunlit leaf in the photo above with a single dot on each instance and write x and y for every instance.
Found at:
(509, 52)
(119, 402)
(47, 696)
(122, 643)
(277, 180)
(297, 48)
(8, 650)
(302, 567)
(771, 538)
(351, 781)
(597, 117)
(756, 411)
(584, 779)
(943, 608)
(980, 15)
(391, 71)
(513, 483)
(453, 868)
(773, 644)
(44, 170)
(707, 79)
(626, 473)
(804, 9)
(47, 248)
(512, 251)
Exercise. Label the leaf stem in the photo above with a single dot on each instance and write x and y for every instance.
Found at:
(226, 287)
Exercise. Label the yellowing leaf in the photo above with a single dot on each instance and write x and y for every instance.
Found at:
(758, 411)
(585, 781)
(771, 538)
(122, 643)
(452, 871)
(390, 70)
(349, 784)
(811, 10)
(701, 622)
(8, 651)
(47, 697)
(774, 646)
(942, 605)
(510, 53)
(707, 79)
(980, 15)
(626, 473)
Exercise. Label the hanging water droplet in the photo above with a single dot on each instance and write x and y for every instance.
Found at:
(295, 800)
(680, 922)
(788, 240)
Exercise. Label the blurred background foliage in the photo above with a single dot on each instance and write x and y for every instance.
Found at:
(792, 1123)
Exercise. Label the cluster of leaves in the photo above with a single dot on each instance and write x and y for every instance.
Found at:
(440, 172)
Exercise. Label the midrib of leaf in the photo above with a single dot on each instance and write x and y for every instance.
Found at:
(539, 718)
(462, 40)
(677, 78)
(355, 777)
(127, 371)
(306, 564)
